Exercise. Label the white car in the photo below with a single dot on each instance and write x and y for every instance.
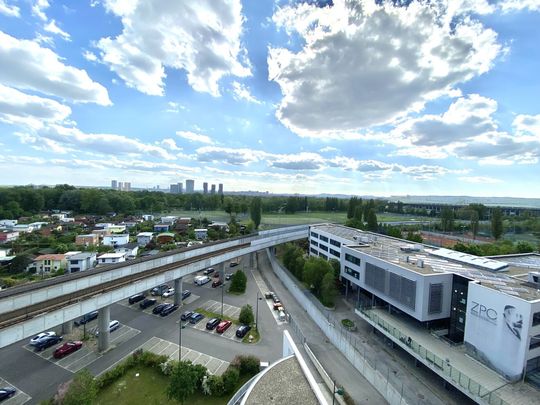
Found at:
(113, 325)
(36, 339)
(168, 293)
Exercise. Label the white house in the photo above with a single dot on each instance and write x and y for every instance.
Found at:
(144, 238)
(109, 258)
(115, 240)
(47, 263)
(170, 219)
(201, 233)
(81, 262)
(38, 225)
(67, 219)
(8, 236)
(148, 217)
(25, 228)
(8, 223)
(130, 249)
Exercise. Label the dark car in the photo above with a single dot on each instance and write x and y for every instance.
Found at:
(275, 299)
(233, 264)
(135, 298)
(195, 317)
(242, 331)
(228, 276)
(168, 309)
(158, 308)
(159, 290)
(216, 283)
(268, 295)
(212, 323)
(87, 318)
(47, 342)
(185, 294)
(148, 302)
(186, 315)
(7, 392)
(208, 271)
(67, 348)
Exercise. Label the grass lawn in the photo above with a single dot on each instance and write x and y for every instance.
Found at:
(255, 333)
(149, 388)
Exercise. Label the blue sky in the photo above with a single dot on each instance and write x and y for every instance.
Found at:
(356, 97)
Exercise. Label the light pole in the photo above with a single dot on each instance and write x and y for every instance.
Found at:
(257, 311)
(180, 341)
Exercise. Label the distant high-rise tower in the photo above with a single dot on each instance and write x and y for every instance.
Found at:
(174, 189)
(190, 186)
(120, 186)
(127, 186)
(213, 189)
(220, 189)
(180, 188)
(114, 184)
(205, 188)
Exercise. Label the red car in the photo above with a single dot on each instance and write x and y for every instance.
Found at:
(223, 326)
(67, 348)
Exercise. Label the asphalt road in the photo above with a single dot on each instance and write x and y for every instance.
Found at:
(39, 377)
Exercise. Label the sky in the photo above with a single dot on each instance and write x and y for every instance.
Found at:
(357, 97)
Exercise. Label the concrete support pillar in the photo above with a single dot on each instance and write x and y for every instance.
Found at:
(104, 318)
(221, 271)
(178, 288)
(67, 327)
(252, 260)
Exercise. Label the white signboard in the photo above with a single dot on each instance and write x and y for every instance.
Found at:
(496, 329)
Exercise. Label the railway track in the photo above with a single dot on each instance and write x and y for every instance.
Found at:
(20, 315)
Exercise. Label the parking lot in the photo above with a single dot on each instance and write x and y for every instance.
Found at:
(19, 397)
(215, 306)
(88, 353)
(160, 300)
(214, 365)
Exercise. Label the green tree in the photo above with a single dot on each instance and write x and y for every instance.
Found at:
(314, 271)
(394, 232)
(414, 237)
(474, 217)
(496, 223)
(230, 379)
(238, 282)
(328, 289)
(82, 390)
(371, 220)
(246, 315)
(447, 219)
(19, 264)
(255, 211)
(183, 382)
(524, 247)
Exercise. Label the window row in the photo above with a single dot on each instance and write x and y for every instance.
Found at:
(352, 259)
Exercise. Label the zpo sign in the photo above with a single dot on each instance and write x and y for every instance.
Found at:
(481, 311)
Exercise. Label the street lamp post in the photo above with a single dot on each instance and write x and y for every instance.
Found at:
(257, 311)
(180, 341)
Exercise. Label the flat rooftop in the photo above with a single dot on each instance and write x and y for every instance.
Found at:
(502, 275)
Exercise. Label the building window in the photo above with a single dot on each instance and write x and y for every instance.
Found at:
(323, 256)
(314, 243)
(335, 253)
(313, 251)
(323, 238)
(335, 243)
(352, 259)
(323, 247)
(314, 235)
(535, 342)
(435, 298)
(352, 273)
(536, 319)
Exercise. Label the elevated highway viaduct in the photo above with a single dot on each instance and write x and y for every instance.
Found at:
(29, 309)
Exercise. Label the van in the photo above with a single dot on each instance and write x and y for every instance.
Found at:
(281, 316)
(201, 280)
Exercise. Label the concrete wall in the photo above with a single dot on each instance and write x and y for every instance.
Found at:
(378, 380)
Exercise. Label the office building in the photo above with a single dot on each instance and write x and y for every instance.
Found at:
(114, 184)
(127, 186)
(190, 186)
(205, 188)
(176, 188)
(220, 189)
(120, 185)
(213, 189)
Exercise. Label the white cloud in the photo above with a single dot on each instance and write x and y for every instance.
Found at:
(298, 161)
(90, 56)
(173, 107)
(44, 40)
(9, 10)
(328, 149)
(193, 137)
(26, 65)
(364, 64)
(19, 108)
(55, 29)
(202, 38)
(38, 9)
(479, 179)
(518, 5)
(170, 144)
(241, 92)
(527, 125)
(228, 155)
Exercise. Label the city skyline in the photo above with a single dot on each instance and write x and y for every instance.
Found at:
(286, 97)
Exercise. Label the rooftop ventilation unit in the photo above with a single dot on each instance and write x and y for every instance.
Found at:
(411, 248)
(420, 263)
(534, 278)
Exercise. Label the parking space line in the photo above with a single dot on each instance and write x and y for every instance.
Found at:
(20, 396)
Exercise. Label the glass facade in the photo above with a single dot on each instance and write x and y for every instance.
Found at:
(352, 273)
(458, 309)
(352, 259)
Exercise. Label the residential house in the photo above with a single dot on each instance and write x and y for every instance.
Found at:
(101, 232)
(47, 263)
(130, 249)
(8, 236)
(201, 233)
(90, 239)
(148, 217)
(8, 223)
(5, 252)
(144, 238)
(165, 237)
(152, 252)
(170, 219)
(38, 225)
(66, 220)
(59, 216)
(110, 258)
(182, 225)
(129, 224)
(219, 226)
(81, 262)
(24, 228)
(49, 229)
(161, 227)
(116, 239)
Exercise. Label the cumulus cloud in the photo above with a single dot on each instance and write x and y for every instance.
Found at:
(479, 179)
(9, 10)
(26, 65)
(19, 108)
(364, 64)
(527, 125)
(518, 5)
(38, 9)
(202, 38)
(173, 107)
(55, 29)
(241, 92)
(298, 161)
(328, 149)
(193, 137)
(170, 144)
(228, 155)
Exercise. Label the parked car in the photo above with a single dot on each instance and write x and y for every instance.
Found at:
(216, 283)
(41, 336)
(233, 264)
(195, 317)
(7, 392)
(168, 309)
(87, 318)
(275, 299)
(67, 348)
(268, 295)
(160, 289)
(228, 276)
(201, 280)
(281, 315)
(223, 326)
(212, 323)
(208, 271)
(135, 298)
(168, 293)
(47, 342)
(278, 306)
(113, 325)
(186, 315)
(242, 331)
(148, 302)
(158, 308)
(185, 294)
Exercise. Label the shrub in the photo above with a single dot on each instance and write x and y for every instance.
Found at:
(246, 315)
(82, 390)
(238, 282)
(347, 323)
(230, 379)
(247, 365)
(216, 386)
